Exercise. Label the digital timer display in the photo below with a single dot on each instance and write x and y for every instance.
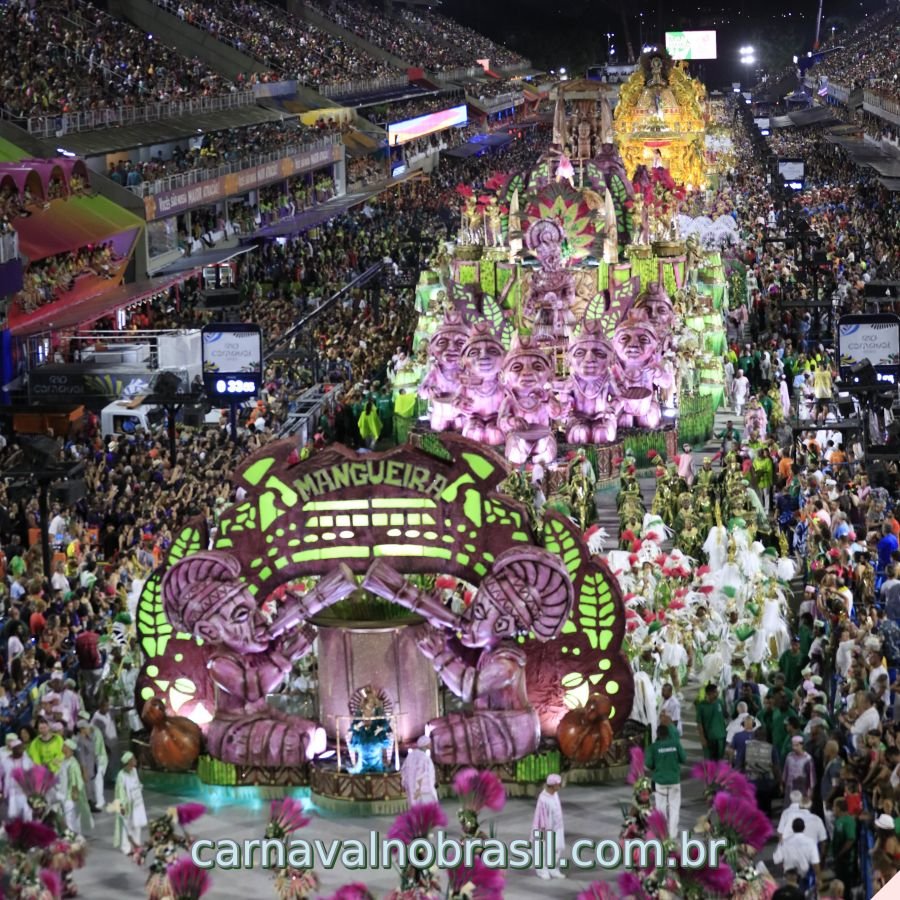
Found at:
(235, 386)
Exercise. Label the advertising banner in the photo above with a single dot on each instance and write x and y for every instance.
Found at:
(874, 336)
(171, 203)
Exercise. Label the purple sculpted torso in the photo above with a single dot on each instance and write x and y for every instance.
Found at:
(479, 397)
(528, 407)
(441, 384)
(594, 407)
(249, 656)
(638, 371)
(552, 292)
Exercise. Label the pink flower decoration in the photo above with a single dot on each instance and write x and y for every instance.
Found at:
(479, 790)
(476, 883)
(286, 816)
(189, 812)
(417, 822)
(744, 820)
(188, 881)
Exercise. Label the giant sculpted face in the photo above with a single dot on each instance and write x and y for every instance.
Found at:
(635, 343)
(658, 307)
(446, 347)
(590, 357)
(526, 372)
(482, 357)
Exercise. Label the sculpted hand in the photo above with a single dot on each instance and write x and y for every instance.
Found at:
(296, 643)
(432, 643)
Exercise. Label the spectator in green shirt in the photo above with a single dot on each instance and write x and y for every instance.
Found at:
(663, 761)
(843, 843)
(791, 665)
(711, 722)
(46, 748)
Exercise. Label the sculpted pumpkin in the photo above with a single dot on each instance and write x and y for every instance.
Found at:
(585, 735)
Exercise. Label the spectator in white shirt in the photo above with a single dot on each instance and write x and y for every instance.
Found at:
(866, 721)
(59, 582)
(58, 525)
(798, 851)
(671, 706)
(877, 668)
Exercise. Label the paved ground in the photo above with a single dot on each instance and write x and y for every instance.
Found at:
(591, 812)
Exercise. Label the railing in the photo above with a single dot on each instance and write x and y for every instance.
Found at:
(882, 106)
(95, 119)
(334, 299)
(512, 68)
(461, 74)
(196, 176)
(362, 86)
(9, 246)
(499, 101)
(838, 92)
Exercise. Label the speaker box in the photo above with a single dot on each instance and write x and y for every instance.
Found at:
(219, 298)
(68, 492)
(193, 417)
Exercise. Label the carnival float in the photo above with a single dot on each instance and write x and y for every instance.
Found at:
(570, 325)
(571, 313)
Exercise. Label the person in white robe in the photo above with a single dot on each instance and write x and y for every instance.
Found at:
(131, 814)
(417, 774)
(16, 758)
(548, 818)
(71, 791)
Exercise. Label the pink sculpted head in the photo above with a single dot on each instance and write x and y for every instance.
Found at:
(482, 355)
(203, 595)
(446, 345)
(635, 341)
(526, 590)
(526, 370)
(590, 354)
(657, 305)
(544, 239)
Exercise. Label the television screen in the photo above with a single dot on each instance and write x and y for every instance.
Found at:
(791, 169)
(410, 129)
(691, 44)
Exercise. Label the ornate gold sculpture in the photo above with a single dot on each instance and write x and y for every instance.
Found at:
(661, 108)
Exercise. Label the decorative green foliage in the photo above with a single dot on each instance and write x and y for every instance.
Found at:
(153, 628)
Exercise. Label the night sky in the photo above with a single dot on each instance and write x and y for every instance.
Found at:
(573, 34)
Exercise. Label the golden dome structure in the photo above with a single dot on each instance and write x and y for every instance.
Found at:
(660, 120)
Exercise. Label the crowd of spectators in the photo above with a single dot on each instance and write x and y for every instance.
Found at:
(233, 145)
(365, 170)
(67, 56)
(48, 279)
(290, 47)
(826, 717)
(472, 45)
(487, 90)
(869, 56)
(421, 39)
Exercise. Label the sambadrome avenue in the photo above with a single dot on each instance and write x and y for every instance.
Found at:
(449, 450)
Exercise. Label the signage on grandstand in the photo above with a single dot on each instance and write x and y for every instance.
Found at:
(691, 44)
(171, 203)
(232, 360)
(420, 126)
(871, 336)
